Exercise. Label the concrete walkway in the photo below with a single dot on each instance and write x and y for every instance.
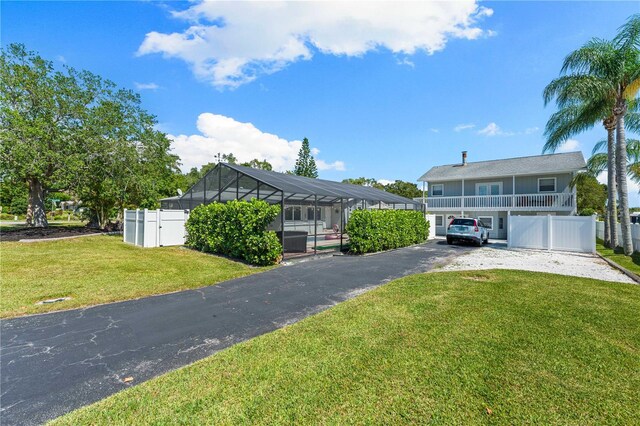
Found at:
(54, 363)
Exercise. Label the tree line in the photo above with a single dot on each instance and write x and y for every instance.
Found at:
(72, 135)
(599, 85)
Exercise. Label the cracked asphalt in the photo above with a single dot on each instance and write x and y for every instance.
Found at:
(54, 363)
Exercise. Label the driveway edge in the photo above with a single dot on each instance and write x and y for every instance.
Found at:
(625, 271)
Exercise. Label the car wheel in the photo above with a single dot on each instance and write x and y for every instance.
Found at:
(479, 243)
(449, 241)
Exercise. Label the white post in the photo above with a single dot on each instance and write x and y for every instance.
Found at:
(549, 232)
(424, 193)
(124, 226)
(135, 237)
(513, 191)
(145, 220)
(593, 232)
(158, 226)
(462, 200)
(509, 228)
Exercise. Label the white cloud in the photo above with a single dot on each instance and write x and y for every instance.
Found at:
(61, 59)
(434, 130)
(569, 145)
(232, 43)
(461, 127)
(224, 135)
(493, 129)
(336, 165)
(385, 181)
(145, 86)
(530, 130)
(405, 61)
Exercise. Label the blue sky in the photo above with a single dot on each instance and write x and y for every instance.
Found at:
(375, 92)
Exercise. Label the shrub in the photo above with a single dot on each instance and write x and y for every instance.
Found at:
(237, 229)
(376, 230)
(587, 212)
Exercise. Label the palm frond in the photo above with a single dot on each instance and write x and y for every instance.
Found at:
(597, 164)
(596, 57)
(632, 89)
(600, 146)
(572, 120)
(629, 33)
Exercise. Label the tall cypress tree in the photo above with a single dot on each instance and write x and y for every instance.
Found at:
(305, 164)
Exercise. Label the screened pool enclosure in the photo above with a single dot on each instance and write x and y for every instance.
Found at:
(314, 212)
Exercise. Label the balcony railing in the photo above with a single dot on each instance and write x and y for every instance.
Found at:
(536, 202)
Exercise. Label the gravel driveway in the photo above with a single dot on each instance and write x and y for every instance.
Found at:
(498, 256)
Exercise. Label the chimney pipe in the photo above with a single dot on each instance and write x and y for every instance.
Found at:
(464, 158)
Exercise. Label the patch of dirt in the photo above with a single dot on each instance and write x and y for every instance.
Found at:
(25, 233)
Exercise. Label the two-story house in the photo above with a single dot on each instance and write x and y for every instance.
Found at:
(494, 190)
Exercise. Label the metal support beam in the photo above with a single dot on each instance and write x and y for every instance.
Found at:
(315, 226)
(341, 224)
(282, 222)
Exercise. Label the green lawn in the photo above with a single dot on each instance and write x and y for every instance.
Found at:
(491, 347)
(4, 226)
(632, 263)
(101, 269)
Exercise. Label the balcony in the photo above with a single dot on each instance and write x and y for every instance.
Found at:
(516, 202)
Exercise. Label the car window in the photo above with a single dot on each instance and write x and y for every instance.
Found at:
(465, 222)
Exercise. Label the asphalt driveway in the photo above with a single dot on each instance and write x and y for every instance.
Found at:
(53, 363)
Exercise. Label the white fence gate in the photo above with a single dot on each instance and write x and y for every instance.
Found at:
(565, 233)
(431, 218)
(155, 228)
(635, 234)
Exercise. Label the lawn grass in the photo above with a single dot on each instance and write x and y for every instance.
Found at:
(4, 226)
(490, 347)
(632, 263)
(100, 269)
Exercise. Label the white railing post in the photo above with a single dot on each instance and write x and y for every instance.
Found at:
(158, 226)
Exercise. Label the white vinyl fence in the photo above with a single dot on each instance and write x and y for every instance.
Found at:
(635, 234)
(155, 228)
(564, 233)
(431, 218)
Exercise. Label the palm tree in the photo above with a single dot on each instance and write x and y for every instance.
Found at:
(581, 107)
(600, 80)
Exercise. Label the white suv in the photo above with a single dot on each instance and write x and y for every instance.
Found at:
(467, 229)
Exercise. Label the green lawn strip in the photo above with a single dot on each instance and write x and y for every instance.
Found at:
(100, 269)
(4, 226)
(632, 263)
(439, 348)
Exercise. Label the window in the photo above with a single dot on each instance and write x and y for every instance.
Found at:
(547, 185)
(491, 188)
(439, 220)
(437, 190)
(292, 213)
(487, 221)
(465, 222)
(501, 223)
(310, 215)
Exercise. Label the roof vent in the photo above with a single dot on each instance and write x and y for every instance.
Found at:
(464, 158)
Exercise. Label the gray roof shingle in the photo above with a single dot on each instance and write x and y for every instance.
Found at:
(537, 164)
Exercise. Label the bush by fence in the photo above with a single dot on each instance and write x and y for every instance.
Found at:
(376, 230)
(236, 229)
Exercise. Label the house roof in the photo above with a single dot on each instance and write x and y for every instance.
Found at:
(293, 184)
(537, 164)
(292, 187)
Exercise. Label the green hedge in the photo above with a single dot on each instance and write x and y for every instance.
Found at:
(376, 230)
(236, 229)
